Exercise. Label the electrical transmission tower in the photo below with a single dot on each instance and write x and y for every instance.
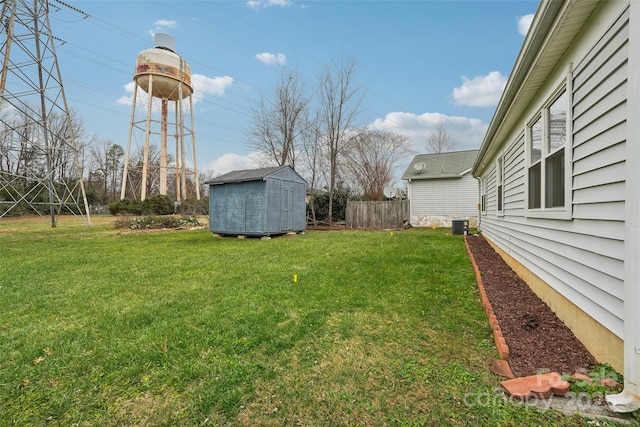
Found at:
(40, 170)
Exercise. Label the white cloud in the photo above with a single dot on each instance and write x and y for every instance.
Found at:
(480, 91)
(162, 25)
(127, 99)
(263, 4)
(231, 161)
(272, 58)
(524, 22)
(165, 23)
(467, 133)
(202, 85)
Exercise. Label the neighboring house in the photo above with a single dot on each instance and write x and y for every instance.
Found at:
(559, 172)
(257, 202)
(440, 189)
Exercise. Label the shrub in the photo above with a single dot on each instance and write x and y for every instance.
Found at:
(159, 205)
(194, 207)
(116, 208)
(154, 205)
(340, 197)
(150, 222)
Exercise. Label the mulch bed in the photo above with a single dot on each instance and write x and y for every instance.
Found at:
(537, 339)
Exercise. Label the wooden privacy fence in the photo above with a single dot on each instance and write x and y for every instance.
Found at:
(387, 214)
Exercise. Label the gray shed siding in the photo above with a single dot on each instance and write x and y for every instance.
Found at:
(274, 204)
(581, 257)
(286, 204)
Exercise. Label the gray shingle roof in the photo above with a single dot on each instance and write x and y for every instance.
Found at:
(444, 165)
(244, 175)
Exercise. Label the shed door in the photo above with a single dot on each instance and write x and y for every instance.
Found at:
(287, 208)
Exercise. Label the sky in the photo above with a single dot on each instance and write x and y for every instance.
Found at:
(419, 63)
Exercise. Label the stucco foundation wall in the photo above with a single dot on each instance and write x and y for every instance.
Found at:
(441, 220)
(602, 343)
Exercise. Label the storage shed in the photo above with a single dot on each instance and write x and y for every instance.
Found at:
(257, 202)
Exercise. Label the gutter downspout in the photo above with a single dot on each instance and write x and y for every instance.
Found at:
(629, 399)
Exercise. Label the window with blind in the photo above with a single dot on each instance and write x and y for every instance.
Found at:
(546, 155)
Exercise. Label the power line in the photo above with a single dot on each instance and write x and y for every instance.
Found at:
(196, 27)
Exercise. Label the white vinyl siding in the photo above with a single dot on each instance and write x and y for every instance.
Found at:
(514, 202)
(582, 257)
(444, 197)
(490, 199)
(493, 188)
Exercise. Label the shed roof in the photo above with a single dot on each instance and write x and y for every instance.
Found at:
(453, 164)
(248, 175)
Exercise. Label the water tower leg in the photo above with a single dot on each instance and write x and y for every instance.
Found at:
(145, 156)
(183, 166)
(177, 159)
(193, 140)
(125, 170)
(163, 148)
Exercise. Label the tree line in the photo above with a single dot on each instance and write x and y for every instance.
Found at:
(317, 132)
(31, 167)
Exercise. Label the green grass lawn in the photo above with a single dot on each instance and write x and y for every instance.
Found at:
(106, 327)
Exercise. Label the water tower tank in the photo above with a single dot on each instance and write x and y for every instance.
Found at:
(168, 69)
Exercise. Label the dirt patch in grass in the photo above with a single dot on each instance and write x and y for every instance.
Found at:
(149, 409)
(536, 338)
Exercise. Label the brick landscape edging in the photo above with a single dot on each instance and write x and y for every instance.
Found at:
(540, 386)
(501, 344)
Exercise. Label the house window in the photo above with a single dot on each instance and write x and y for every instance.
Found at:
(554, 161)
(500, 183)
(535, 155)
(546, 142)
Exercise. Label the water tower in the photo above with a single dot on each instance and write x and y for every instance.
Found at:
(166, 79)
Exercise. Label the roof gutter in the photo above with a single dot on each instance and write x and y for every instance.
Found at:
(629, 399)
(536, 36)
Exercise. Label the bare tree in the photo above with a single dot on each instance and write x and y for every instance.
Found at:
(62, 154)
(134, 175)
(312, 163)
(338, 103)
(39, 162)
(5, 144)
(114, 162)
(440, 140)
(372, 158)
(98, 170)
(24, 154)
(106, 164)
(279, 121)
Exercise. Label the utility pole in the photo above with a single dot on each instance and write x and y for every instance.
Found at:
(32, 98)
